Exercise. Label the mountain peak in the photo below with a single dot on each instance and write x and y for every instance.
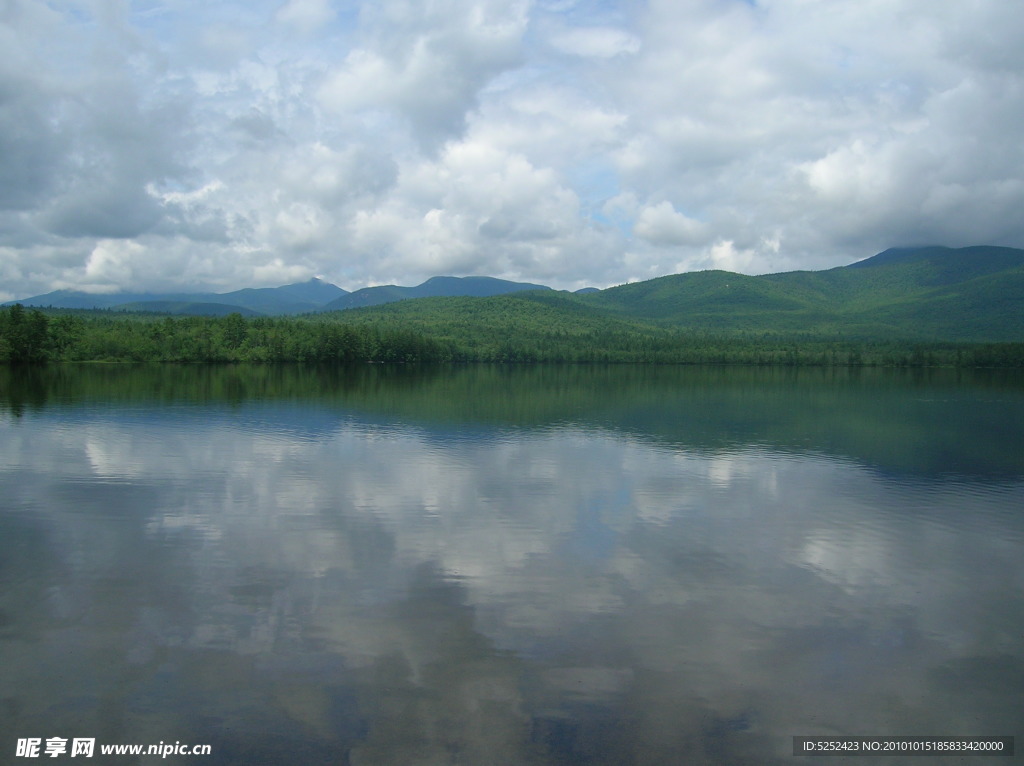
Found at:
(901, 255)
(998, 257)
(435, 287)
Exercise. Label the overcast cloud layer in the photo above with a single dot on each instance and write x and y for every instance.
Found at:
(179, 144)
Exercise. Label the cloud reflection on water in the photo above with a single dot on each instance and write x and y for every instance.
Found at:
(403, 592)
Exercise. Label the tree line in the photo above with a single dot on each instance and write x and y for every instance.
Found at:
(32, 336)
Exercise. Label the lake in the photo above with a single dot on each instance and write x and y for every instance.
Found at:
(508, 565)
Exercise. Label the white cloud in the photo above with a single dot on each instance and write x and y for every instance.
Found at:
(726, 256)
(306, 15)
(563, 142)
(476, 204)
(597, 42)
(663, 225)
(427, 62)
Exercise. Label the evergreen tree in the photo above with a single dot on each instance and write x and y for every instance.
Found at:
(23, 335)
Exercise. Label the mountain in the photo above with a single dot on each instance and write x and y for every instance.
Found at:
(435, 287)
(921, 293)
(298, 298)
(948, 263)
(73, 299)
(927, 294)
(188, 308)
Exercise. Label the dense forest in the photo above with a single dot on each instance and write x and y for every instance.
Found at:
(507, 329)
(916, 307)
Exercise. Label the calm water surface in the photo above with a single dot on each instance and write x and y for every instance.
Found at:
(543, 565)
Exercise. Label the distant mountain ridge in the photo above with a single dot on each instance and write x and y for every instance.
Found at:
(928, 293)
(986, 256)
(300, 298)
(971, 294)
(435, 287)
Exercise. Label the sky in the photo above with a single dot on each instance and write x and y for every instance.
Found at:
(211, 145)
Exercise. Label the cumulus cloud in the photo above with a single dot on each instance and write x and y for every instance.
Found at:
(306, 15)
(599, 42)
(572, 143)
(427, 62)
(662, 224)
(476, 210)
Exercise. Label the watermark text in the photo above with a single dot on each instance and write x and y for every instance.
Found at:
(53, 747)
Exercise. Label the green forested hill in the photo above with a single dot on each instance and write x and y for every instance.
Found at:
(435, 287)
(905, 307)
(899, 299)
(933, 293)
(186, 308)
(927, 294)
(714, 300)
